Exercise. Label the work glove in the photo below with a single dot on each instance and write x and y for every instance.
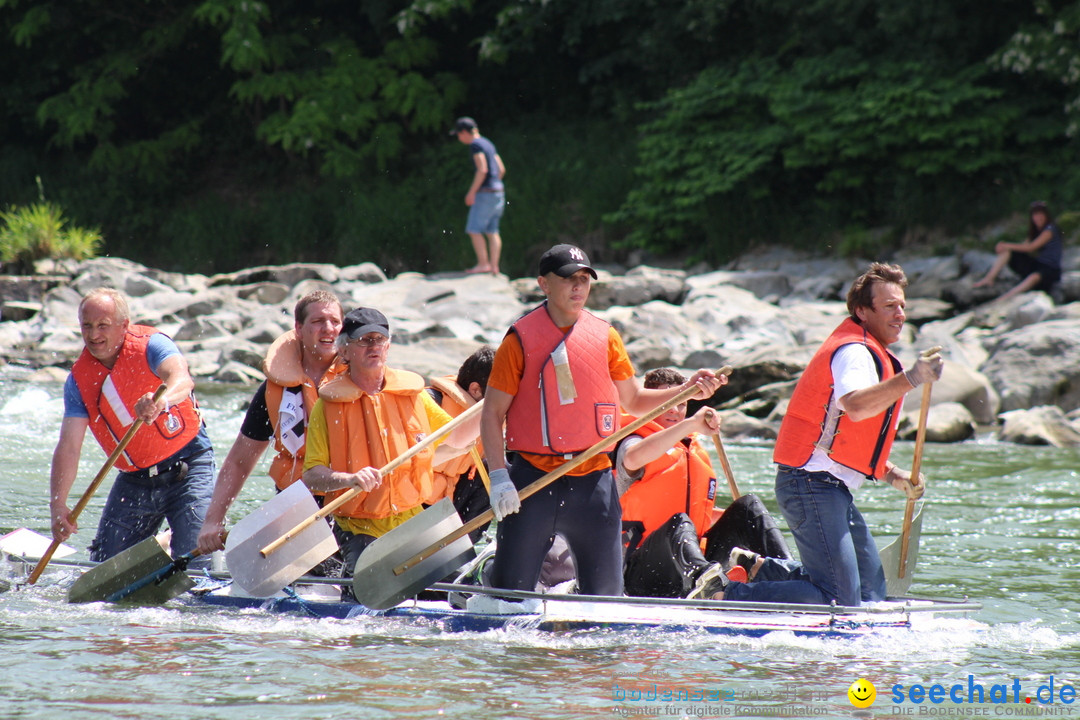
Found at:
(503, 495)
(925, 370)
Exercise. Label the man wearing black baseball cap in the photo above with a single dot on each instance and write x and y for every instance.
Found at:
(365, 418)
(557, 382)
(486, 198)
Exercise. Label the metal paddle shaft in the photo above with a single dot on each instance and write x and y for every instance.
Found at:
(92, 488)
(391, 569)
(385, 470)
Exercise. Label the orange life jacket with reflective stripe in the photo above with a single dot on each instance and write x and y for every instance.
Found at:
(862, 446)
(566, 400)
(370, 431)
(284, 368)
(110, 396)
(446, 475)
(681, 480)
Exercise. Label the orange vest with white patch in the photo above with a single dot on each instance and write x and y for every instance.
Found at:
(284, 368)
(371, 430)
(862, 446)
(680, 480)
(110, 396)
(566, 401)
(446, 475)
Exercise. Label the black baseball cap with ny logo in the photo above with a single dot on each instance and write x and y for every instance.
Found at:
(564, 260)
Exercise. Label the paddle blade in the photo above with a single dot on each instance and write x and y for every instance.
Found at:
(374, 582)
(265, 576)
(127, 568)
(890, 559)
(29, 545)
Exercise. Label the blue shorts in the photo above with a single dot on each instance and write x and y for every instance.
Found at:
(485, 213)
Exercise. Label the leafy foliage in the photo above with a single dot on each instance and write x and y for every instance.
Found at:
(39, 231)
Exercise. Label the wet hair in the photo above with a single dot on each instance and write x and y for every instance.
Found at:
(1038, 206)
(476, 368)
(121, 312)
(861, 294)
(663, 377)
(318, 296)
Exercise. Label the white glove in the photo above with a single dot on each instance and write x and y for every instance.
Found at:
(925, 370)
(504, 496)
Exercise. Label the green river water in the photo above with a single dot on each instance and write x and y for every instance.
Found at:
(1002, 526)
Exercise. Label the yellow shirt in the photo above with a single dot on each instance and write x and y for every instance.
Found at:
(318, 453)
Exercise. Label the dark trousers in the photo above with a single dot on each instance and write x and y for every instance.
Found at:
(669, 561)
(584, 509)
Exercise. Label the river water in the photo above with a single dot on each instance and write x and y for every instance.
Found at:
(1002, 526)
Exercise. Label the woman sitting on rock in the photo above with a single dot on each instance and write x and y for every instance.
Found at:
(1037, 261)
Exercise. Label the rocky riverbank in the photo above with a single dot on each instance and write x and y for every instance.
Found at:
(1012, 368)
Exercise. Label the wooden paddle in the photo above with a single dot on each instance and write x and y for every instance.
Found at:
(377, 578)
(916, 464)
(385, 470)
(92, 488)
(719, 446)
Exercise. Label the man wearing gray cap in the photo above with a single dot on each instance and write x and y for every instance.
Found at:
(486, 198)
(365, 418)
(557, 382)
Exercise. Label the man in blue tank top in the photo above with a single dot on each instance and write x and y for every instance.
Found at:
(486, 197)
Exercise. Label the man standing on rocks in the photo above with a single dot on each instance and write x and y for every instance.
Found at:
(167, 470)
(486, 197)
(296, 364)
(558, 380)
(837, 433)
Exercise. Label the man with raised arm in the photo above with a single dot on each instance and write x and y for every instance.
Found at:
(558, 380)
(836, 435)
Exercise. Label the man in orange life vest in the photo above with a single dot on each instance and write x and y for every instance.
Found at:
(837, 433)
(296, 365)
(363, 419)
(459, 478)
(667, 489)
(167, 470)
(558, 380)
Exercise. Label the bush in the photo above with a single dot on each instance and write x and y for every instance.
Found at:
(34, 232)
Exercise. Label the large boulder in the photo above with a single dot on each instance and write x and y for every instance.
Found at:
(1044, 425)
(945, 423)
(1037, 365)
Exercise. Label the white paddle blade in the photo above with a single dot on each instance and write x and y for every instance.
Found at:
(265, 576)
(29, 545)
(374, 583)
(890, 559)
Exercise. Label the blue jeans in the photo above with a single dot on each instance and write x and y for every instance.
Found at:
(484, 214)
(839, 559)
(137, 505)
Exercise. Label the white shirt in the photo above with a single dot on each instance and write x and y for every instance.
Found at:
(853, 368)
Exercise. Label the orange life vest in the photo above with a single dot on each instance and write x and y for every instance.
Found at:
(446, 475)
(284, 368)
(370, 431)
(110, 397)
(681, 480)
(566, 401)
(862, 446)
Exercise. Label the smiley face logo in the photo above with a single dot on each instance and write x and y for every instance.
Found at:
(862, 693)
